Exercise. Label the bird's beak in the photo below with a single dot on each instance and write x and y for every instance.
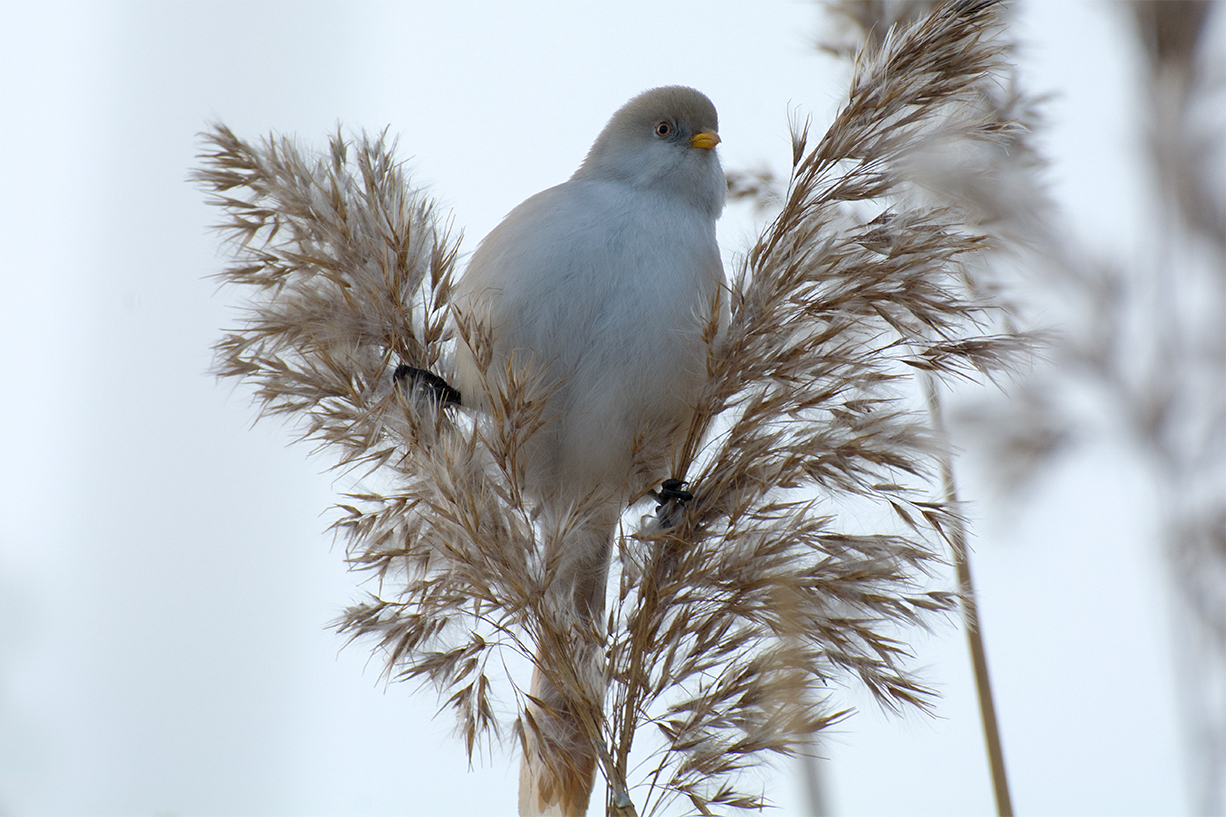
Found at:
(706, 140)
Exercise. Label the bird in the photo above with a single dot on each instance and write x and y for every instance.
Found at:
(604, 290)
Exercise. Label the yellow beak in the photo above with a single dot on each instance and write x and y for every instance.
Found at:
(706, 140)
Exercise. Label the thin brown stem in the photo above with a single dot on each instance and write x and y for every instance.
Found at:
(970, 614)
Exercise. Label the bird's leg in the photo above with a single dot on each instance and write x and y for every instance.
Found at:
(435, 387)
(671, 500)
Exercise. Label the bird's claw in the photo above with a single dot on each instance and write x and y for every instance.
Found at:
(670, 499)
(673, 489)
(435, 387)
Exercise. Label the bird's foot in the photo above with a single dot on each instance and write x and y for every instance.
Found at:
(435, 387)
(671, 500)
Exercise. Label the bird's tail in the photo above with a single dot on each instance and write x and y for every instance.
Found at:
(563, 721)
(558, 770)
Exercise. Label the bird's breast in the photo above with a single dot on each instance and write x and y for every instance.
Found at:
(608, 293)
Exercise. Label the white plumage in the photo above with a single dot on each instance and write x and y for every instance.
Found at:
(604, 285)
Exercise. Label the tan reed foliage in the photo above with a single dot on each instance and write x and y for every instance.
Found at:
(1176, 408)
(997, 186)
(1140, 357)
(734, 615)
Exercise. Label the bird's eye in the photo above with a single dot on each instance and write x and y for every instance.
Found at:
(663, 129)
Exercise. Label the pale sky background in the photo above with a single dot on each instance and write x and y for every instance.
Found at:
(166, 580)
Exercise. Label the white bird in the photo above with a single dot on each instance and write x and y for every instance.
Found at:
(605, 286)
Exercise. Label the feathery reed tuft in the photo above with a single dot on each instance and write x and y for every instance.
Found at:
(1140, 355)
(728, 628)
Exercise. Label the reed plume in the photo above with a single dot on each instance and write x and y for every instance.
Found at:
(1140, 359)
(734, 617)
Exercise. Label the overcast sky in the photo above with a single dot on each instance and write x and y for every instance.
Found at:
(166, 579)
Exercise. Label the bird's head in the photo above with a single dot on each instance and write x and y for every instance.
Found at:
(663, 139)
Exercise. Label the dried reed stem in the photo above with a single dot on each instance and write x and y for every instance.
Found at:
(971, 619)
